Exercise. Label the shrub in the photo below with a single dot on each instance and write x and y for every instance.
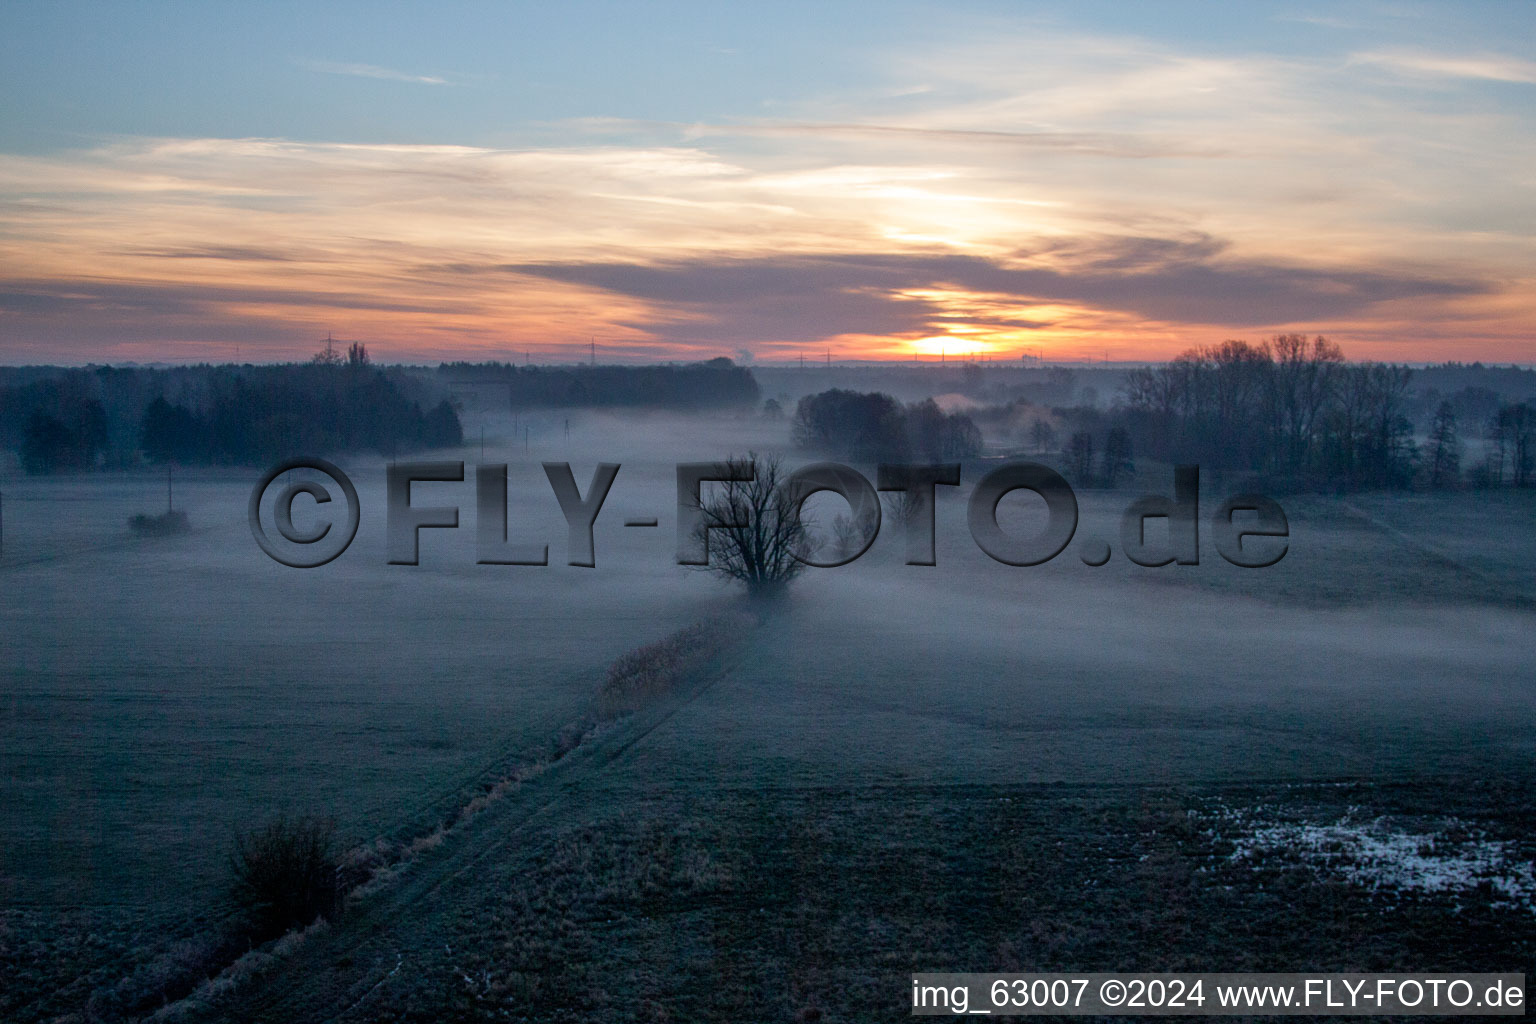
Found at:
(167, 525)
(285, 875)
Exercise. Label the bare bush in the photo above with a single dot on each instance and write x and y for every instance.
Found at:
(285, 875)
(167, 525)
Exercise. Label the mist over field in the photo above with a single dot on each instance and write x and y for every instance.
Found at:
(166, 694)
(639, 513)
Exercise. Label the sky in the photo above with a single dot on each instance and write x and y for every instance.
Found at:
(201, 182)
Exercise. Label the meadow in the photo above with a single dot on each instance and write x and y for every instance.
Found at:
(966, 766)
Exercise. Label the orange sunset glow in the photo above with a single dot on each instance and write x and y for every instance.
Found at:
(996, 188)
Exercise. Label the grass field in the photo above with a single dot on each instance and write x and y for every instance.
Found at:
(964, 767)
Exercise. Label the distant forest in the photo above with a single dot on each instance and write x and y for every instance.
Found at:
(716, 384)
(59, 419)
(1289, 413)
(1293, 414)
(77, 419)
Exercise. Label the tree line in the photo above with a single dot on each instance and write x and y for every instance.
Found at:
(717, 383)
(874, 427)
(1292, 411)
(241, 415)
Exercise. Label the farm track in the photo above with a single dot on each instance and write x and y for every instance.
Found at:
(447, 796)
(335, 975)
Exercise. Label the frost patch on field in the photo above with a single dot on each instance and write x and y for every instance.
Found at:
(1376, 855)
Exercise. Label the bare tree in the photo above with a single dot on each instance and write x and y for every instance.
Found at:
(902, 506)
(751, 528)
(1119, 455)
(1304, 381)
(1041, 435)
(1079, 455)
(1513, 431)
(1444, 448)
(849, 533)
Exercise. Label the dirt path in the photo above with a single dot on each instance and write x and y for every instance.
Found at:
(334, 976)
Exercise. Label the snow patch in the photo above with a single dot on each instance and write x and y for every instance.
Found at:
(1376, 855)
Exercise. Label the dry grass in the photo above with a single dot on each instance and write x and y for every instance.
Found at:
(291, 877)
(251, 965)
(813, 905)
(657, 669)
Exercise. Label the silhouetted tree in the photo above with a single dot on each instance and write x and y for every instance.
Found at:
(47, 444)
(752, 527)
(171, 433)
(1119, 456)
(936, 436)
(849, 532)
(72, 441)
(1304, 381)
(1475, 404)
(1080, 456)
(1513, 433)
(443, 429)
(867, 427)
(1042, 436)
(875, 427)
(1368, 441)
(1444, 448)
(1287, 407)
(901, 506)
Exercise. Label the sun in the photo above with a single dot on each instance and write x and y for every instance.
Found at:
(959, 344)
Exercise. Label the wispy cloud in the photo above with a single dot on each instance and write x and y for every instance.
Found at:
(1110, 144)
(1320, 20)
(370, 71)
(1061, 192)
(1485, 67)
(213, 252)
